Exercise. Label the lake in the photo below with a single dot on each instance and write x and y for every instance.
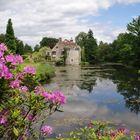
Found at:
(106, 93)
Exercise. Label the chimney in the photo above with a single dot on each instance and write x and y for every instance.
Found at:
(71, 40)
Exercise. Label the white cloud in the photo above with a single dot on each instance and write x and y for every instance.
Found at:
(66, 18)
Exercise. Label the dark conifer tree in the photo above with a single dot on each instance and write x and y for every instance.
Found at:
(10, 39)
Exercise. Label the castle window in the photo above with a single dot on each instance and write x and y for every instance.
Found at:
(54, 53)
(71, 60)
(62, 53)
(77, 49)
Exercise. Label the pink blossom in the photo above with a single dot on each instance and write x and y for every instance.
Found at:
(123, 130)
(47, 95)
(31, 117)
(30, 70)
(1, 54)
(23, 89)
(113, 134)
(39, 89)
(90, 125)
(55, 97)
(14, 59)
(5, 72)
(20, 76)
(59, 97)
(3, 119)
(46, 130)
(2, 60)
(15, 84)
(3, 47)
(137, 137)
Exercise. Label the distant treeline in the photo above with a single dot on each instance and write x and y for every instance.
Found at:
(125, 49)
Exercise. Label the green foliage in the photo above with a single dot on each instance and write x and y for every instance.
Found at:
(36, 48)
(125, 49)
(41, 56)
(27, 49)
(59, 62)
(134, 27)
(64, 57)
(80, 39)
(20, 47)
(24, 103)
(44, 71)
(10, 37)
(2, 38)
(103, 52)
(90, 48)
(97, 130)
(48, 41)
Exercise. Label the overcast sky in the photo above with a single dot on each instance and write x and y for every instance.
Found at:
(34, 19)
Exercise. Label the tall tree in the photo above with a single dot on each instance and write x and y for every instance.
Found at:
(80, 39)
(36, 48)
(134, 29)
(2, 38)
(48, 42)
(10, 37)
(103, 52)
(90, 48)
(27, 49)
(20, 47)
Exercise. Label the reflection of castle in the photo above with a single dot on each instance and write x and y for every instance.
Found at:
(73, 52)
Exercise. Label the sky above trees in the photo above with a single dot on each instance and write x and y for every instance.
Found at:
(33, 20)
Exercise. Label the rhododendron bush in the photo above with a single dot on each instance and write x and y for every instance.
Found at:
(23, 99)
(97, 130)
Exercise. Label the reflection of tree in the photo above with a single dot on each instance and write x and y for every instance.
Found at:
(88, 84)
(128, 86)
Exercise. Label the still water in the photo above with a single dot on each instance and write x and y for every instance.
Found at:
(104, 93)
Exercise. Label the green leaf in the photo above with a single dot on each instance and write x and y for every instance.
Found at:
(16, 131)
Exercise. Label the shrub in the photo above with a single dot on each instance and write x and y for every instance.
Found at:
(97, 130)
(24, 102)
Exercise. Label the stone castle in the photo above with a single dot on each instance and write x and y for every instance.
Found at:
(72, 49)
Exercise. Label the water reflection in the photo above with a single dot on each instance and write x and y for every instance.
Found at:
(110, 94)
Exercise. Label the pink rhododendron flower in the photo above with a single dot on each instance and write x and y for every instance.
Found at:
(137, 137)
(1, 54)
(123, 130)
(46, 130)
(23, 89)
(59, 97)
(30, 70)
(14, 59)
(113, 134)
(55, 97)
(3, 47)
(31, 117)
(20, 76)
(3, 119)
(15, 84)
(39, 89)
(90, 125)
(4, 72)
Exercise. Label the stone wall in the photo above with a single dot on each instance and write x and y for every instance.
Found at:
(73, 57)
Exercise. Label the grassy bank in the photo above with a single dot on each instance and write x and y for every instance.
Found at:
(44, 71)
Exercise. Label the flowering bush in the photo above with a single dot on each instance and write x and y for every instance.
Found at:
(23, 99)
(96, 130)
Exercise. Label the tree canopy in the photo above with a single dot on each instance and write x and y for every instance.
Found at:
(48, 41)
(10, 37)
